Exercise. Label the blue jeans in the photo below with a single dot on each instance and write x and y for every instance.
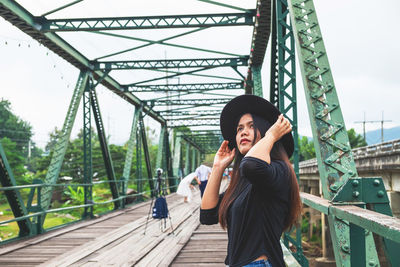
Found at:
(260, 263)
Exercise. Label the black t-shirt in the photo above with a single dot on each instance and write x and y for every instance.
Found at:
(256, 217)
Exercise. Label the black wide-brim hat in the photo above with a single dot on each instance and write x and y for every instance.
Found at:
(256, 105)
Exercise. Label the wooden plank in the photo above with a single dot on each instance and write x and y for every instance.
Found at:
(167, 259)
(32, 241)
(195, 254)
(147, 256)
(79, 253)
(169, 248)
(200, 259)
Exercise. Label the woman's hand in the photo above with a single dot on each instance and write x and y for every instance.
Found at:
(281, 127)
(224, 156)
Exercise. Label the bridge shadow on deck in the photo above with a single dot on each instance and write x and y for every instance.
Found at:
(117, 239)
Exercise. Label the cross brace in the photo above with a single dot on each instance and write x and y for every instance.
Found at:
(191, 87)
(172, 63)
(149, 22)
(169, 102)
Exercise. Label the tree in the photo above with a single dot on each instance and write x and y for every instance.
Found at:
(15, 159)
(14, 128)
(356, 140)
(306, 149)
(16, 135)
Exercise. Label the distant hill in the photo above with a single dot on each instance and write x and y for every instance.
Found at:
(374, 137)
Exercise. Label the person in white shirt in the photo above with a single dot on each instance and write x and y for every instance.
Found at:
(202, 173)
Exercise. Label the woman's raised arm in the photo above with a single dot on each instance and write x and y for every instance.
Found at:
(262, 148)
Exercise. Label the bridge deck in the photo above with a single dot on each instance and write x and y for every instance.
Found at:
(117, 239)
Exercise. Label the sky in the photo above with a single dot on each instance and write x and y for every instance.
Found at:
(361, 39)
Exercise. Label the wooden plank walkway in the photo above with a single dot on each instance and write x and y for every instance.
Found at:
(117, 239)
(206, 247)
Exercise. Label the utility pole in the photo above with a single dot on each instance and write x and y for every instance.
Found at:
(381, 122)
(382, 126)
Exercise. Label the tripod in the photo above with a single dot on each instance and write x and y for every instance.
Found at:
(159, 191)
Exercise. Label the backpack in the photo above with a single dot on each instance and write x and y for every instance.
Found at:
(160, 208)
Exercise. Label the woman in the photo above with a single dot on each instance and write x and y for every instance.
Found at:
(262, 199)
(185, 186)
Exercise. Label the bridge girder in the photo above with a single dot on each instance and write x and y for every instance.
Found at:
(191, 87)
(26, 22)
(167, 114)
(171, 63)
(194, 122)
(196, 102)
(150, 22)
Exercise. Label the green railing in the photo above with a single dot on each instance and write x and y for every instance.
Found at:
(362, 222)
(35, 213)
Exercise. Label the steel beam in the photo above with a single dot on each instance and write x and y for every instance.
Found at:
(60, 148)
(87, 151)
(187, 159)
(196, 122)
(26, 22)
(13, 196)
(197, 102)
(191, 87)
(171, 63)
(274, 87)
(287, 92)
(193, 165)
(142, 130)
(335, 161)
(189, 113)
(176, 163)
(149, 22)
(261, 32)
(129, 153)
(256, 78)
(108, 163)
(139, 168)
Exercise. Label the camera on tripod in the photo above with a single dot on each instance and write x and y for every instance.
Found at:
(160, 208)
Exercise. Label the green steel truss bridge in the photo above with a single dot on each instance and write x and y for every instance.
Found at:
(185, 95)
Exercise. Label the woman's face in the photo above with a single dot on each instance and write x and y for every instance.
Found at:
(245, 134)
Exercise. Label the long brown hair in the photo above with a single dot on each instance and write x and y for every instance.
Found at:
(278, 152)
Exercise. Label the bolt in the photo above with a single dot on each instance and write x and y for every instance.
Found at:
(334, 187)
(355, 183)
(345, 248)
(381, 193)
(315, 95)
(371, 263)
(356, 194)
(377, 182)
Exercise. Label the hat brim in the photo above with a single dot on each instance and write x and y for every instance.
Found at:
(256, 105)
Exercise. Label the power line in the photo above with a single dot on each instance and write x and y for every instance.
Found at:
(381, 122)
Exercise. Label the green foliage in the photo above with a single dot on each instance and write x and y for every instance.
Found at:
(13, 127)
(77, 195)
(356, 140)
(15, 159)
(307, 150)
(20, 133)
